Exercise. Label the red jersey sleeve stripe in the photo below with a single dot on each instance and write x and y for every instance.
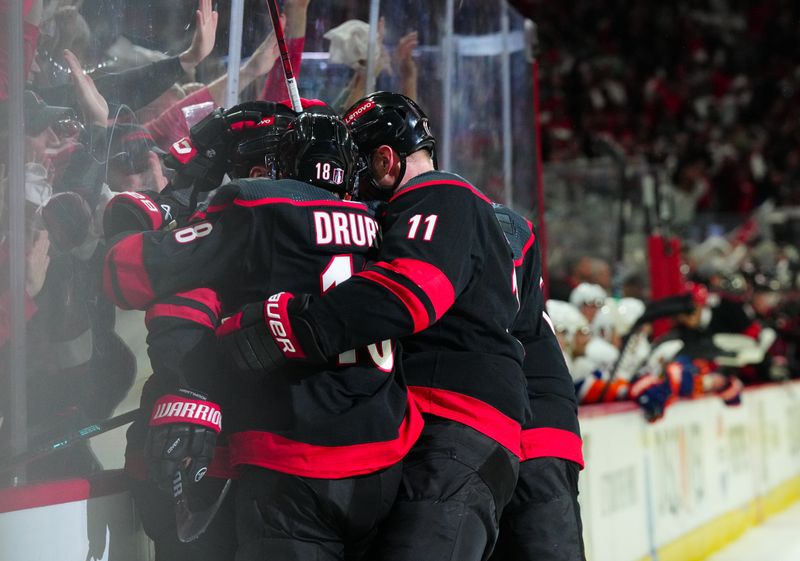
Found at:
(205, 296)
(230, 325)
(429, 278)
(125, 279)
(177, 311)
(416, 309)
(548, 442)
(452, 182)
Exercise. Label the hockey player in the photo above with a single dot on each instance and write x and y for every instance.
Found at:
(181, 327)
(592, 361)
(182, 347)
(318, 445)
(239, 142)
(442, 280)
(588, 298)
(691, 356)
(542, 522)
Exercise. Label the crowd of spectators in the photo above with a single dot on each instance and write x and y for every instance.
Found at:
(707, 92)
(735, 321)
(704, 97)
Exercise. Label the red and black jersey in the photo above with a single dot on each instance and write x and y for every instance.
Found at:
(443, 282)
(260, 237)
(552, 430)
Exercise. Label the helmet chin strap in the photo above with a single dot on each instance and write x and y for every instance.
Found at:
(385, 193)
(400, 175)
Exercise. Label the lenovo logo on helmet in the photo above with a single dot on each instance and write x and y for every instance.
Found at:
(358, 111)
(241, 125)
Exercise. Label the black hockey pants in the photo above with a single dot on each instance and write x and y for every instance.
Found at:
(456, 482)
(284, 517)
(543, 520)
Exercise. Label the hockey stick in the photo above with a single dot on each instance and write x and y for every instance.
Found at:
(291, 83)
(191, 524)
(69, 439)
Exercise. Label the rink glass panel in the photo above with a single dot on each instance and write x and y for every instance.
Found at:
(85, 361)
(81, 361)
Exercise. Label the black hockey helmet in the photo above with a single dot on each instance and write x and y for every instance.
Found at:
(318, 149)
(256, 128)
(392, 119)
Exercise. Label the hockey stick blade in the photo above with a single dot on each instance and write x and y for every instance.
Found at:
(191, 525)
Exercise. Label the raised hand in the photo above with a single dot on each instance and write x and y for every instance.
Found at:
(37, 260)
(404, 51)
(93, 104)
(205, 34)
(264, 57)
(296, 12)
(406, 65)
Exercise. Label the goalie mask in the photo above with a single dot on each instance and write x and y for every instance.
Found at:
(391, 119)
(318, 149)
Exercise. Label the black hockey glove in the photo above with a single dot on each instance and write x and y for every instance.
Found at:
(181, 439)
(202, 158)
(138, 211)
(264, 336)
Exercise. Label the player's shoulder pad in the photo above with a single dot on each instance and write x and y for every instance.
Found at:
(283, 190)
(222, 199)
(433, 182)
(517, 229)
(376, 208)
